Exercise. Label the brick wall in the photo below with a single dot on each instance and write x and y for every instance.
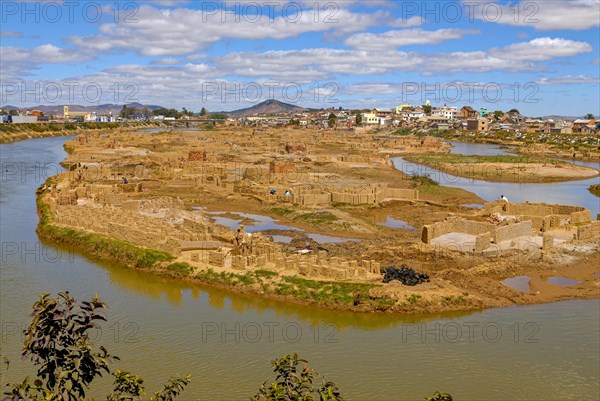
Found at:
(512, 231)
(589, 231)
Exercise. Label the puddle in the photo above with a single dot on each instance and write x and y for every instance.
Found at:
(266, 223)
(328, 239)
(562, 281)
(395, 223)
(259, 222)
(477, 205)
(519, 283)
(597, 274)
(284, 239)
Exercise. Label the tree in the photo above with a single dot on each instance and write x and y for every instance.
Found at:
(13, 112)
(589, 116)
(498, 114)
(514, 111)
(331, 120)
(358, 118)
(427, 109)
(203, 112)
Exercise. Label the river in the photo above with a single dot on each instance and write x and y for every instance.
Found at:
(567, 193)
(160, 326)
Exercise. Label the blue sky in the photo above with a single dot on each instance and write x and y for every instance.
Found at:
(541, 57)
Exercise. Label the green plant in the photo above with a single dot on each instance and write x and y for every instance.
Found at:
(294, 380)
(414, 298)
(437, 396)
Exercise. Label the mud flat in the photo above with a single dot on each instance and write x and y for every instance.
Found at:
(505, 168)
(150, 201)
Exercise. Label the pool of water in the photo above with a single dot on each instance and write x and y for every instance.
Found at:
(563, 281)
(396, 223)
(329, 239)
(519, 283)
(259, 222)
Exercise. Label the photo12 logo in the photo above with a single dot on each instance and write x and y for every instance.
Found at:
(253, 11)
(57, 92)
(271, 332)
(67, 11)
(255, 92)
(523, 12)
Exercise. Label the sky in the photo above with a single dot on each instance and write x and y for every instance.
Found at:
(540, 57)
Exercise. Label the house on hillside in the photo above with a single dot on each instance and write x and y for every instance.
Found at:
(450, 113)
(580, 123)
(467, 112)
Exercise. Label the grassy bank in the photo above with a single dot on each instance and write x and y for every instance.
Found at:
(504, 168)
(18, 132)
(595, 189)
(450, 158)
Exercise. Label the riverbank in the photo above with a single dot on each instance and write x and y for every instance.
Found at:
(595, 189)
(519, 169)
(10, 133)
(557, 146)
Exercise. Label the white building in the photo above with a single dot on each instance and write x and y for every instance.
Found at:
(450, 113)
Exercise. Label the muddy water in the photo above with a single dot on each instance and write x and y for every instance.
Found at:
(159, 326)
(568, 193)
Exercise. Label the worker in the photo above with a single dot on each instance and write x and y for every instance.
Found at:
(503, 198)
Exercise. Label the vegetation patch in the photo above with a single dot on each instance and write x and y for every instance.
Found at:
(181, 268)
(451, 158)
(317, 218)
(595, 189)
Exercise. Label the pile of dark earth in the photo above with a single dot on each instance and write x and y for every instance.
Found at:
(405, 275)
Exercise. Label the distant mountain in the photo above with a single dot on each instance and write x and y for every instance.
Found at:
(555, 117)
(98, 109)
(270, 106)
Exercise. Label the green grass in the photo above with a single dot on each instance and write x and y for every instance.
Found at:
(181, 268)
(414, 298)
(423, 180)
(280, 211)
(462, 159)
(317, 218)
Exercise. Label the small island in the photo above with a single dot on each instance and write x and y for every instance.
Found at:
(505, 168)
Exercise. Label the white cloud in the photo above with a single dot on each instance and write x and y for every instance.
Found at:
(321, 63)
(181, 31)
(166, 61)
(541, 49)
(540, 15)
(405, 37)
(16, 62)
(569, 80)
